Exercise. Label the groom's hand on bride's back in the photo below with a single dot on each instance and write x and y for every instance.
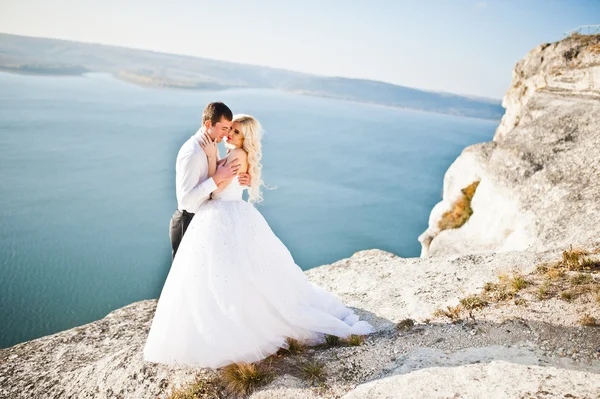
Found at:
(226, 171)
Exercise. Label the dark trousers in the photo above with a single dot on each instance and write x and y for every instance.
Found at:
(179, 224)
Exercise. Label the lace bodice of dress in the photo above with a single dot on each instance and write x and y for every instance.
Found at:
(232, 192)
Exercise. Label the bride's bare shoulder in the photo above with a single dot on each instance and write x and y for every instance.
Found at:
(242, 157)
(238, 153)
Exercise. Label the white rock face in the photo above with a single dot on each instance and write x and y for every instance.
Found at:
(569, 66)
(497, 223)
(388, 289)
(497, 379)
(540, 177)
(104, 359)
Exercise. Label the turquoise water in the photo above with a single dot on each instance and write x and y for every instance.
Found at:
(87, 186)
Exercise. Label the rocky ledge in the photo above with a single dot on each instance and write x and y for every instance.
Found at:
(536, 186)
(429, 342)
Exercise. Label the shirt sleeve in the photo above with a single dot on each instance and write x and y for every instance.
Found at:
(194, 194)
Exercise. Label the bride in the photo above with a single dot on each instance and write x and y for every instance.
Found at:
(234, 293)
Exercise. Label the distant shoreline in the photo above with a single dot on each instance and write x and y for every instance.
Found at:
(150, 83)
(22, 54)
(45, 70)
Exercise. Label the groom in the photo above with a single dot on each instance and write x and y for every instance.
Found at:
(192, 184)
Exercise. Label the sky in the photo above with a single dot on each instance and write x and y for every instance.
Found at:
(457, 46)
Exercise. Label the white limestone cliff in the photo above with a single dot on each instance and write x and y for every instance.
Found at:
(539, 177)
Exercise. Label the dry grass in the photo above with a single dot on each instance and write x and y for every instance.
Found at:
(581, 279)
(588, 321)
(550, 271)
(585, 39)
(199, 389)
(579, 260)
(590, 264)
(294, 347)
(473, 302)
(594, 49)
(241, 379)
(355, 340)
(405, 324)
(566, 296)
(518, 282)
(312, 371)
(542, 292)
(506, 288)
(520, 302)
(572, 259)
(569, 278)
(451, 312)
(461, 210)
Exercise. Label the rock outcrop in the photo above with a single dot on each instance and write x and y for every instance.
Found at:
(472, 358)
(540, 176)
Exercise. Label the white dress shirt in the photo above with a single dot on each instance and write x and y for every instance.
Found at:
(192, 185)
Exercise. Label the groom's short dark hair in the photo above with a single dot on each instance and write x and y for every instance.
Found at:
(215, 111)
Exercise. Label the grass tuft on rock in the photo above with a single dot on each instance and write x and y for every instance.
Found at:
(569, 278)
(504, 289)
(588, 321)
(576, 259)
(473, 302)
(312, 371)
(542, 292)
(241, 379)
(332, 340)
(584, 38)
(566, 296)
(572, 258)
(405, 324)
(590, 264)
(199, 389)
(451, 312)
(294, 347)
(355, 340)
(581, 279)
(518, 282)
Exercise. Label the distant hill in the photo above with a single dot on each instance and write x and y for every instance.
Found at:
(23, 54)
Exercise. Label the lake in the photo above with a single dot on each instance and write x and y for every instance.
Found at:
(87, 186)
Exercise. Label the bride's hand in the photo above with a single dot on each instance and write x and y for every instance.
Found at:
(209, 146)
(245, 179)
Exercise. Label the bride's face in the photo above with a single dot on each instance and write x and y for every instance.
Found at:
(235, 137)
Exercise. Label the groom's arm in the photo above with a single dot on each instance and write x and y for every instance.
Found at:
(194, 193)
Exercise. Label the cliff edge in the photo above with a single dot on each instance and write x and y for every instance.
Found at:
(536, 186)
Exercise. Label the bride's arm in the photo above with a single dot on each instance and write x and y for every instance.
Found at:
(212, 166)
(242, 157)
(212, 153)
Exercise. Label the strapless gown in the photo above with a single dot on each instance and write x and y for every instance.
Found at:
(234, 293)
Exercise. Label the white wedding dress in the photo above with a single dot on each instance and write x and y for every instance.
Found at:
(234, 293)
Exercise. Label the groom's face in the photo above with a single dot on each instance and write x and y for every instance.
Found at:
(219, 129)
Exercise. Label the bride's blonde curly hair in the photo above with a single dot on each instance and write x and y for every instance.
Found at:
(252, 132)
